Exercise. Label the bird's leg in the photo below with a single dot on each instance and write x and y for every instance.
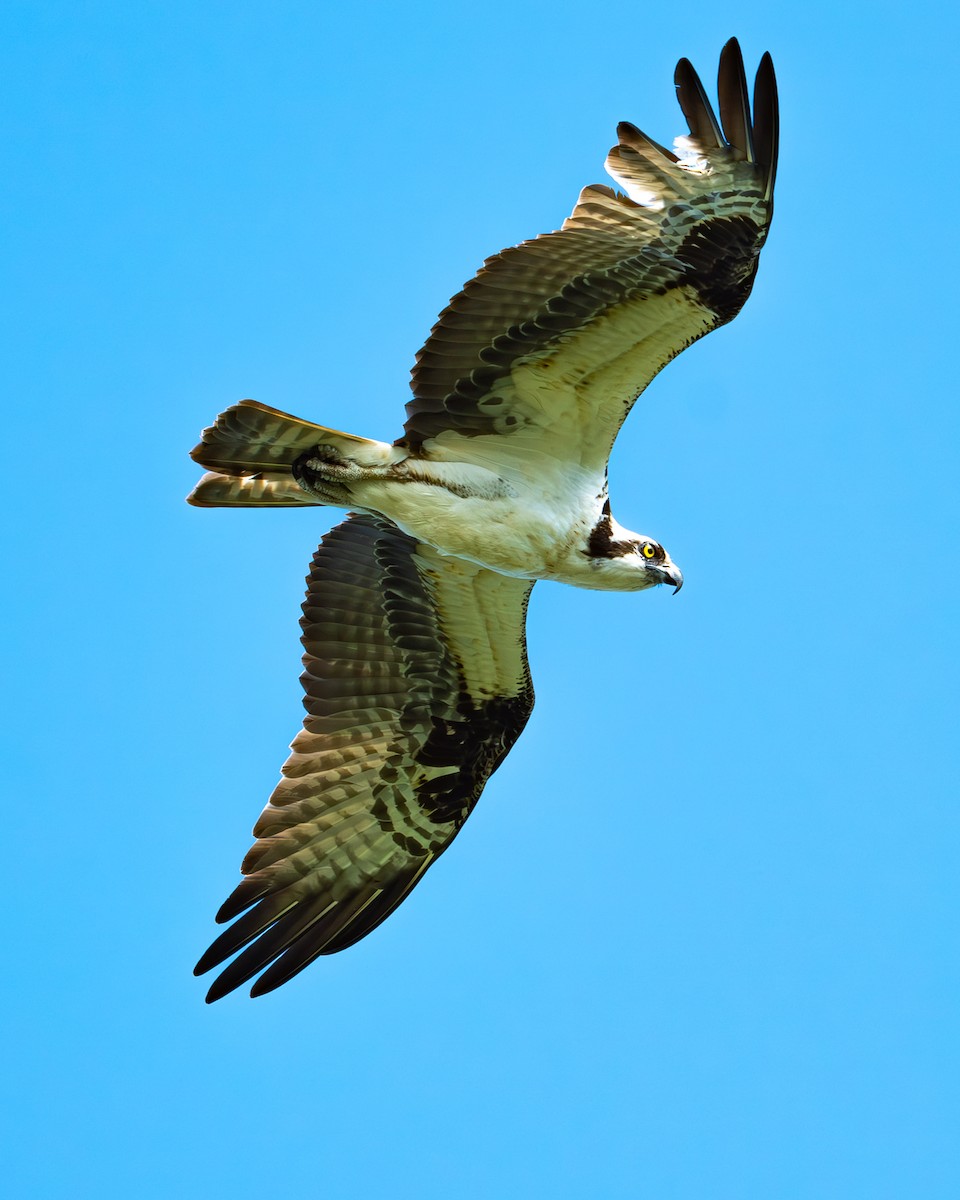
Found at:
(327, 474)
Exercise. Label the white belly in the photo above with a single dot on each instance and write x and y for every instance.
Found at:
(471, 513)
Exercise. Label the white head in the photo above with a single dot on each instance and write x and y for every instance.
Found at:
(627, 562)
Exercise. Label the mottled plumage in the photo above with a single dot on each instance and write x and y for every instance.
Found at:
(416, 674)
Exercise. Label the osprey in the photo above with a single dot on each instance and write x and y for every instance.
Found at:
(416, 673)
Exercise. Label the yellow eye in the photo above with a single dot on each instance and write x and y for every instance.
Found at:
(648, 550)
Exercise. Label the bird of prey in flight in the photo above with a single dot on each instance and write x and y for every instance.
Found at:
(415, 667)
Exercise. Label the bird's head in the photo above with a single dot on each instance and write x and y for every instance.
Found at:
(649, 564)
(628, 562)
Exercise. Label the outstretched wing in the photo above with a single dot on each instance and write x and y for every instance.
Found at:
(416, 686)
(546, 349)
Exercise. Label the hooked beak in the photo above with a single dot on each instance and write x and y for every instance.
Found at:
(672, 574)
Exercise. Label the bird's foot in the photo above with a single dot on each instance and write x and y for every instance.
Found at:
(327, 474)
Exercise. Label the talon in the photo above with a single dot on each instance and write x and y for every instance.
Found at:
(323, 471)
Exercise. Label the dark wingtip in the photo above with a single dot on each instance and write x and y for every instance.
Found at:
(216, 992)
(766, 120)
(264, 986)
(696, 107)
(208, 959)
(629, 135)
(735, 101)
(756, 139)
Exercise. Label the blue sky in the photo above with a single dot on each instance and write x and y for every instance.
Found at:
(734, 977)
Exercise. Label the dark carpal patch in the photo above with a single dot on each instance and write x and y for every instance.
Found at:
(722, 256)
(476, 741)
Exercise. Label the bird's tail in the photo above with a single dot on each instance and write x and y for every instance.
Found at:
(266, 489)
(249, 452)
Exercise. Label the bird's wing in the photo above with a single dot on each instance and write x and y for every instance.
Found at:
(541, 356)
(416, 685)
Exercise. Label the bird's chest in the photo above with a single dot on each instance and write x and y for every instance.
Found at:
(526, 534)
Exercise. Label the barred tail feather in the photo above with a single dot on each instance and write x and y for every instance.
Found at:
(253, 439)
(268, 489)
